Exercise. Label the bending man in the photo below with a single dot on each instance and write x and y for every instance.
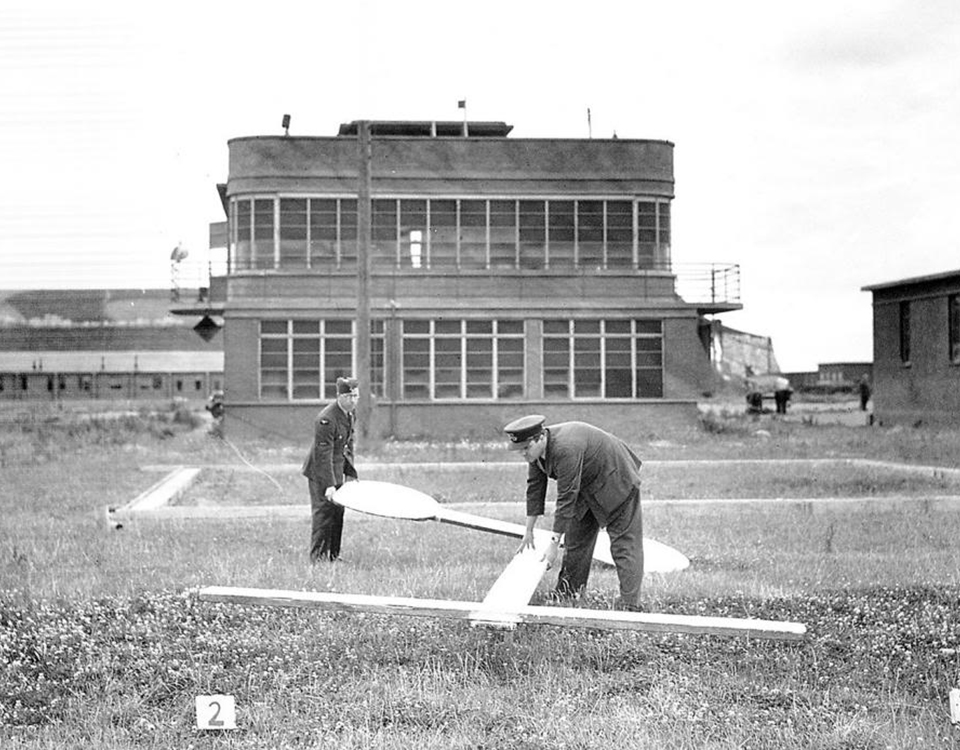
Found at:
(598, 485)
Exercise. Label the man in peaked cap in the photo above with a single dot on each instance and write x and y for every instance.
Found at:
(598, 485)
(328, 464)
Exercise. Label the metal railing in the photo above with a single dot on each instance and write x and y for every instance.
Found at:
(695, 283)
(708, 283)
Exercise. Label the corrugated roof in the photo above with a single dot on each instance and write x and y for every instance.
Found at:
(144, 307)
(111, 361)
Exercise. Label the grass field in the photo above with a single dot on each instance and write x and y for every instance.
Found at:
(100, 645)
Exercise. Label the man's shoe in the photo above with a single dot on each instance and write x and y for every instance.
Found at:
(562, 598)
(319, 559)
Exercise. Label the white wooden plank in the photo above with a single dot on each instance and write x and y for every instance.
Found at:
(657, 556)
(397, 501)
(561, 616)
(164, 491)
(512, 590)
(221, 512)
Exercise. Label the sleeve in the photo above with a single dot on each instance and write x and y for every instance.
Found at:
(324, 434)
(536, 490)
(569, 474)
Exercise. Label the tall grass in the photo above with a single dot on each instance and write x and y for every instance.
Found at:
(101, 646)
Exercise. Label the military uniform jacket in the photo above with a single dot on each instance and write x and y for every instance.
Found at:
(595, 471)
(331, 455)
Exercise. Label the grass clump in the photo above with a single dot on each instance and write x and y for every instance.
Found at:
(102, 646)
(362, 680)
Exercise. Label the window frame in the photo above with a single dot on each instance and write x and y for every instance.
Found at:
(587, 342)
(426, 337)
(327, 369)
(904, 328)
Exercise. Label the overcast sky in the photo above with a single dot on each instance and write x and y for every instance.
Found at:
(817, 143)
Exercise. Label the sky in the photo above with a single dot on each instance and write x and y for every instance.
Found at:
(817, 144)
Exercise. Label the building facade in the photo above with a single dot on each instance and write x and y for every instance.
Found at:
(102, 344)
(505, 276)
(844, 375)
(916, 350)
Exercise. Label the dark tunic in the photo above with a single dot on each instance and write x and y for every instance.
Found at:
(329, 461)
(598, 485)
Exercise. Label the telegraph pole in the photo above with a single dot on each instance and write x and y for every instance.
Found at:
(364, 238)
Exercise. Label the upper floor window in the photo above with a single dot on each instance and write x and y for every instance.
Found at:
(293, 232)
(451, 233)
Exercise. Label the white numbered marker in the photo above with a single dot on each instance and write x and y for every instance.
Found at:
(216, 712)
(955, 706)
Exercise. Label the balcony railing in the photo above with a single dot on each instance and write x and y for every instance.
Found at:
(696, 283)
(708, 283)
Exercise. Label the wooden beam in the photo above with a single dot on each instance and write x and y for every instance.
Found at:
(658, 557)
(507, 528)
(164, 491)
(397, 501)
(511, 590)
(561, 616)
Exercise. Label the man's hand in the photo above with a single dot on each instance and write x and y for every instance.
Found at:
(527, 542)
(328, 493)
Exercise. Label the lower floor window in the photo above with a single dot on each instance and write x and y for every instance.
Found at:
(302, 359)
(603, 358)
(463, 359)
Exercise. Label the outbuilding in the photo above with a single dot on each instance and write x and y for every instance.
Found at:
(916, 350)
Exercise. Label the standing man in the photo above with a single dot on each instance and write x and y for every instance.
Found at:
(782, 393)
(327, 465)
(864, 387)
(598, 484)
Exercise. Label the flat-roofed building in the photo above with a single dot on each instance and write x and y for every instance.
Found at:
(507, 275)
(102, 344)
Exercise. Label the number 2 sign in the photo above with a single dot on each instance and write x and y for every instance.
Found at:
(216, 712)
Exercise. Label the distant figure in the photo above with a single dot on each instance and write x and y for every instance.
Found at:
(754, 398)
(781, 394)
(215, 404)
(864, 391)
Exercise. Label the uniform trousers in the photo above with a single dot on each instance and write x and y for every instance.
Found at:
(327, 525)
(625, 529)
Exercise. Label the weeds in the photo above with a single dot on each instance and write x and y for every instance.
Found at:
(100, 647)
(724, 423)
(31, 439)
(163, 649)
